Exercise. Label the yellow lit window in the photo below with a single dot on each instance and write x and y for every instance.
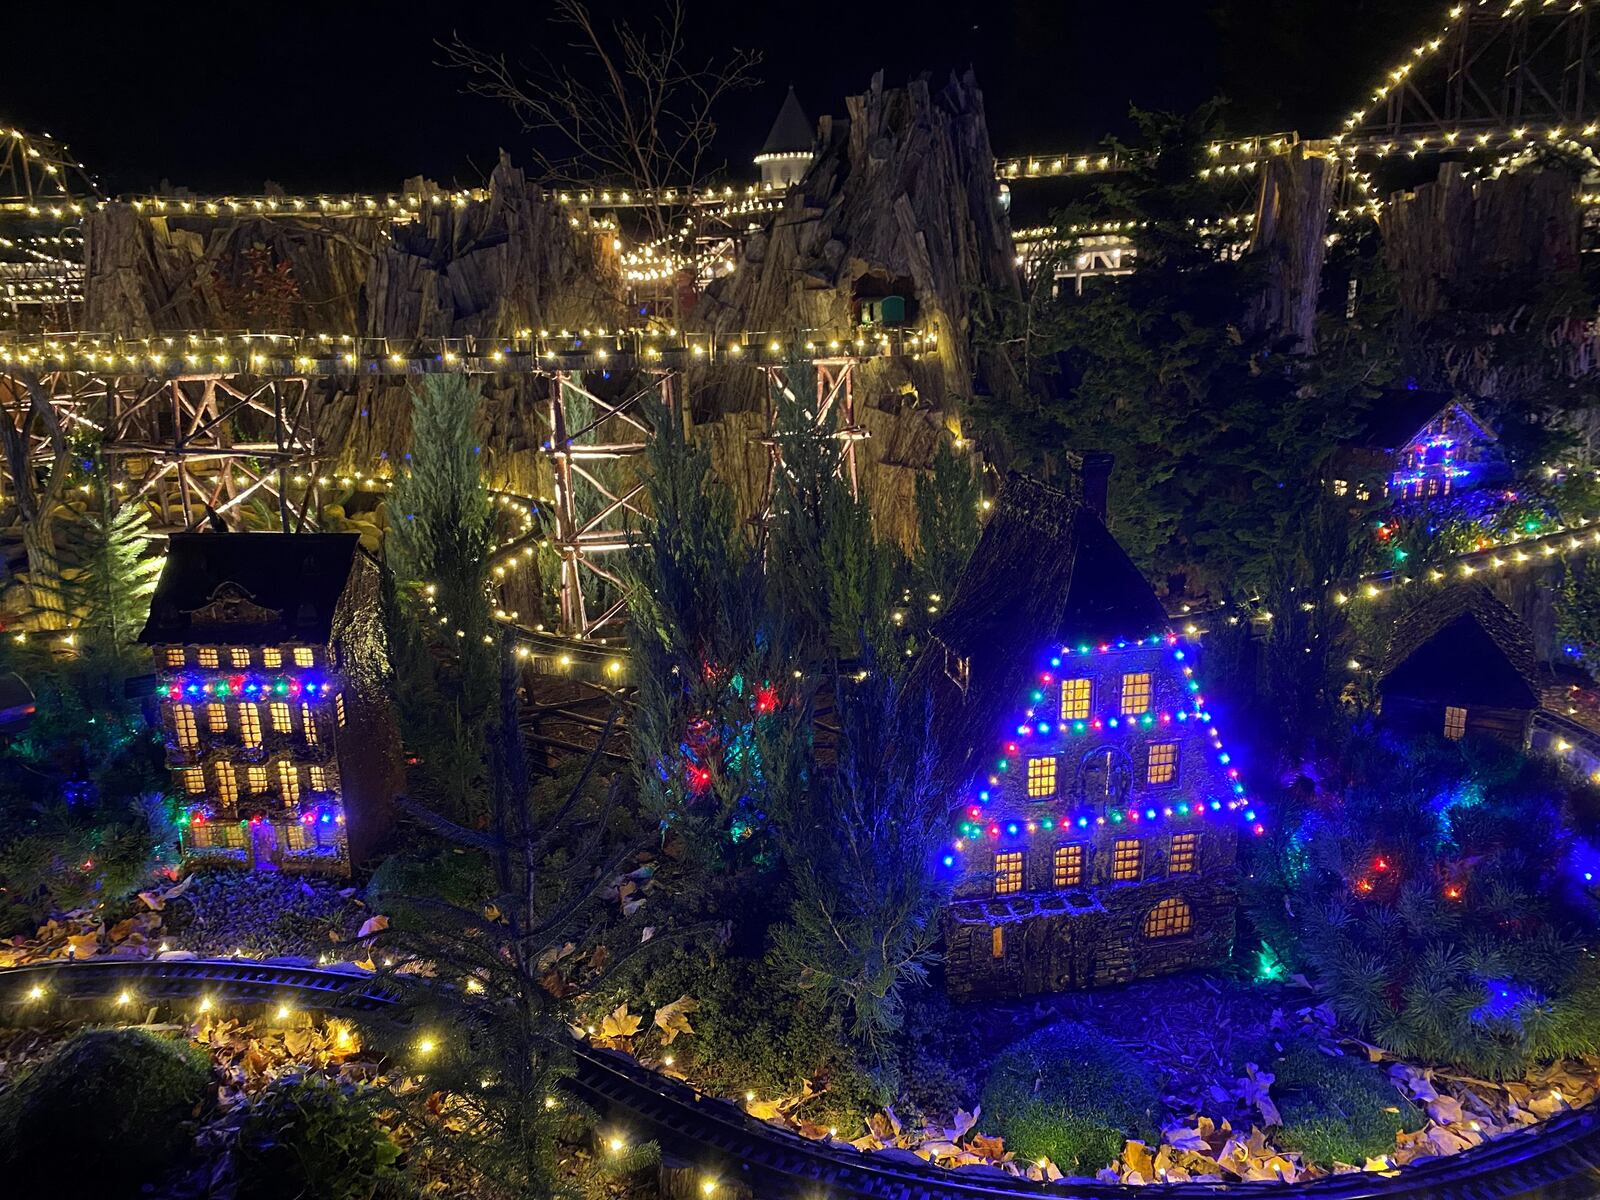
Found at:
(1184, 848)
(194, 780)
(1161, 765)
(1455, 723)
(308, 722)
(1007, 872)
(239, 657)
(271, 656)
(1075, 698)
(303, 656)
(288, 781)
(1127, 860)
(255, 779)
(1170, 918)
(227, 783)
(338, 708)
(207, 656)
(250, 724)
(1069, 866)
(318, 777)
(174, 657)
(1136, 694)
(1041, 777)
(997, 941)
(299, 835)
(280, 716)
(217, 718)
(183, 725)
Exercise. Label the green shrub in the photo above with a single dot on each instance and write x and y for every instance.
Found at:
(107, 1109)
(313, 1138)
(753, 1032)
(1337, 1109)
(1069, 1093)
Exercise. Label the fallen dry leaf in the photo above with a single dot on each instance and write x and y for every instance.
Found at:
(620, 1023)
(673, 1019)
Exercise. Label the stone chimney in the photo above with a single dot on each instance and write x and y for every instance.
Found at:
(1093, 469)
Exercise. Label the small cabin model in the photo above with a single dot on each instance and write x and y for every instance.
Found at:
(1461, 664)
(1419, 448)
(786, 153)
(269, 664)
(1096, 832)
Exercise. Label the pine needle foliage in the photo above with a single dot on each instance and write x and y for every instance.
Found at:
(1430, 899)
(862, 843)
(441, 519)
(697, 604)
(948, 504)
(436, 554)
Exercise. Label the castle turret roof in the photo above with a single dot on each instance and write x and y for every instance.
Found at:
(792, 132)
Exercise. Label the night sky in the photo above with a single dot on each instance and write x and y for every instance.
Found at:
(222, 96)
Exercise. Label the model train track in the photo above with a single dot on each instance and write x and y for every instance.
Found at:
(1559, 1159)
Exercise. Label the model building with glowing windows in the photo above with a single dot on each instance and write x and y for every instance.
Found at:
(269, 666)
(1097, 813)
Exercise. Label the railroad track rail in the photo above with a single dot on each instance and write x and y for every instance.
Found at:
(1559, 1159)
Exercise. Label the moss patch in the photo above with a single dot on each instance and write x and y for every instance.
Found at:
(1337, 1109)
(1069, 1093)
(108, 1108)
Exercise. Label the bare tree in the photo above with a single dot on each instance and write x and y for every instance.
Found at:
(626, 107)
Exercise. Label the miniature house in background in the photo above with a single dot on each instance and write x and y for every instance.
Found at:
(269, 666)
(786, 153)
(1096, 837)
(1421, 444)
(1461, 663)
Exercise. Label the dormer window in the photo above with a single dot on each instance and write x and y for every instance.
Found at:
(958, 668)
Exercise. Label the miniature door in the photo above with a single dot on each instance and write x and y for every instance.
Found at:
(264, 850)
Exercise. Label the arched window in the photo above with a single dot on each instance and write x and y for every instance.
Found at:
(1169, 918)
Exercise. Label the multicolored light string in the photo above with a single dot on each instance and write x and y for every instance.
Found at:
(976, 827)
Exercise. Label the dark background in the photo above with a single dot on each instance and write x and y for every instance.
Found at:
(349, 96)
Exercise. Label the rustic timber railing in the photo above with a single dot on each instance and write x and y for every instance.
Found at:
(1558, 1159)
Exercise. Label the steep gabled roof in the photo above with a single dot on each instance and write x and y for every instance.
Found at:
(1462, 646)
(792, 131)
(250, 588)
(1400, 415)
(1046, 570)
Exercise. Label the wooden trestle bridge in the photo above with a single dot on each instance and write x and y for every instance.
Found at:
(208, 430)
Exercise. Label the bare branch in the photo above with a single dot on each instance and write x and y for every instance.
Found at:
(624, 107)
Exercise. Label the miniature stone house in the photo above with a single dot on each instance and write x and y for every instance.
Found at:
(1098, 817)
(1461, 664)
(1419, 445)
(269, 666)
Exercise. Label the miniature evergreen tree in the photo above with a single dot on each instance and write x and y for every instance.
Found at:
(1578, 616)
(948, 511)
(862, 845)
(437, 599)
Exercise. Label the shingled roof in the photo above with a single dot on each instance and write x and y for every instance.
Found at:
(792, 132)
(1462, 646)
(250, 588)
(1045, 571)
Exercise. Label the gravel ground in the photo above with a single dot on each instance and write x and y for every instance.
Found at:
(264, 914)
